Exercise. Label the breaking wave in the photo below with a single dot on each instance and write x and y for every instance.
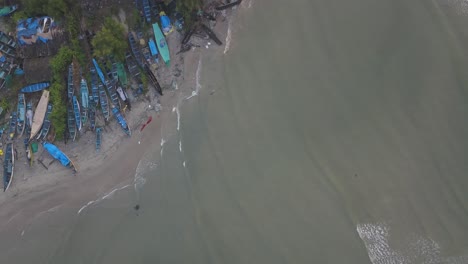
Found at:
(107, 195)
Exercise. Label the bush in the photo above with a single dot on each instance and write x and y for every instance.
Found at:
(187, 8)
(110, 40)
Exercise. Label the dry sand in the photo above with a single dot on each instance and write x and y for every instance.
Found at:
(35, 190)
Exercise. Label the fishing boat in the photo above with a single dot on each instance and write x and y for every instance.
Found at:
(46, 125)
(110, 85)
(76, 110)
(8, 166)
(35, 87)
(70, 90)
(121, 121)
(147, 10)
(92, 113)
(132, 66)
(29, 118)
(99, 72)
(161, 44)
(135, 49)
(121, 74)
(13, 120)
(94, 86)
(21, 110)
(166, 25)
(98, 138)
(71, 122)
(7, 10)
(153, 50)
(41, 113)
(59, 155)
(84, 101)
(104, 102)
(7, 40)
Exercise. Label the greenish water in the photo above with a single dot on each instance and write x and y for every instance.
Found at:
(336, 133)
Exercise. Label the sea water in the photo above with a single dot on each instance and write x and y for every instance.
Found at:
(324, 132)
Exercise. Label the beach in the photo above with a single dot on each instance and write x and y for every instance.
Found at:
(37, 190)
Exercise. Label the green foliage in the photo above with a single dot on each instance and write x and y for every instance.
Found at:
(5, 104)
(110, 41)
(59, 65)
(18, 15)
(54, 8)
(187, 8)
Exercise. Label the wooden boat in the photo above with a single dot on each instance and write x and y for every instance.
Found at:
(104, 102)
(46, 125)
(29, 118)
(55, 152)
(41, 113)
(94, 87)
(153, 80)
(8, 166)
(35, 87)
(98, 138)
(146, 10)
(134, 46)
(121, 74)
(132, 66)
(99, 72)
(70, 90)
(76, 110)
(118, 116)
(21, 110)
(71, 122)
(112, 93)
(12, 129)
(161, 44)
(92, 113)
(7, 40)
(7, 10)
(228, 5)
(84, 101)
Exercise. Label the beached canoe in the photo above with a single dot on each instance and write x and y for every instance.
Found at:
(99, 72)
(29, 118)
(98, 138)
(92, 113)
(76, 110)
(118, 116)
(7, 10)
(84, 101)
(161, 43)
(46, 125)
(94, 86)
(104, 101)
(35, 87)
(41, 111)
(70, 90)
(134, 46)
(110, 85)
(147, 10)
(55, 152)
(8, 166)
(12, 129)
(21, 110)
(71, 121)
(121, 74)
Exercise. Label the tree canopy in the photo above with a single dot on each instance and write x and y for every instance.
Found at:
(110, 40)
(187, 9)
(53, 8)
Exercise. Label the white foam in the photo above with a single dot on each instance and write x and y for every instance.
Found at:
(415, 247)
(197, 81)
(107, 195)
(22, 233)
(180, 145)
(228, 37)
(176, 110)
(183, 163)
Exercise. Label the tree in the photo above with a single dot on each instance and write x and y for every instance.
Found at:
(110, 40)
(187, 8)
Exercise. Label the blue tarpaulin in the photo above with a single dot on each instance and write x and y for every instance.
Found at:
(153, 49)
(2, 59)
(56, 153)
(19, 71)
(165, 23)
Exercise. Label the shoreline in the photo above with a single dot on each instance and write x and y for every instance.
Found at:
(102, 174)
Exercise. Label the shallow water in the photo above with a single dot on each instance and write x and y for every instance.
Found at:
(328, 132)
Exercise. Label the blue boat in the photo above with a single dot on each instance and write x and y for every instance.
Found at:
(35, 87)
(121, 121)
(161, 44)
(70, 90)
(58, 155)
(113, 93)
(98, 138)
(76, 110)
(99, 72)
(7, 10)
(92, 112)
(8, 166)
(94, 87)
(153, 49)
(147, 10)
(84, 101)
(29, 118)
(12, 129)
(104, 102)
(46, 125)
(21, 114)
(134, 46)
(71, 122)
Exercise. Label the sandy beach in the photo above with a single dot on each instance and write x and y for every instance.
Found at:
(36, 190)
